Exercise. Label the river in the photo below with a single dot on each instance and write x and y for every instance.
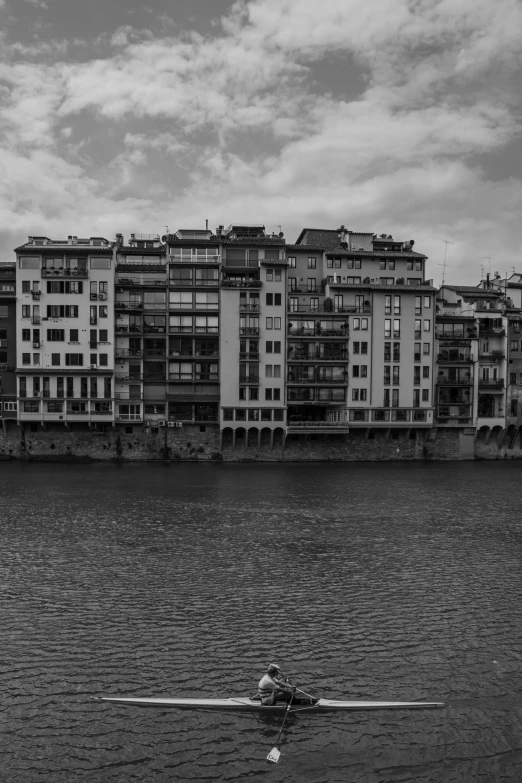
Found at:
(363, 581)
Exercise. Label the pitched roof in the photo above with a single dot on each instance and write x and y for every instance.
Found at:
(77, 249)
(319, 237)
(341, 251)
(381, 287)
(471, 289)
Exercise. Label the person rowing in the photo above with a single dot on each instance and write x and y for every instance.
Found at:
(273, 688)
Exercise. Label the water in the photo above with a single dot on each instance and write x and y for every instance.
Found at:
(365, 581)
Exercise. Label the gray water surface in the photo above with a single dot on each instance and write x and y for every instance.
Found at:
(365, 581)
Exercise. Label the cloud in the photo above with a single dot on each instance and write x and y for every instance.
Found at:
(235, 112)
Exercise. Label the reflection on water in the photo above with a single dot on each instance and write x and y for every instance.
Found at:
(370, 581)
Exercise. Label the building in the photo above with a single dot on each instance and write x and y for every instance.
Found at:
(140, 304)
(8, 402)
(65, 327)
(252, 337)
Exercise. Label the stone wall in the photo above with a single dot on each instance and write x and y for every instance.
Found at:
(195, 443)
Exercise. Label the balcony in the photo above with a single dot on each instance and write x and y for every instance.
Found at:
(249, 330)
(129, 417)
(128, 305)
(125, 282)
(175, 258)
(249, 380)
(316, 396)
(492, 331)
(304, 356)
(151, 353)
(62, 272)
(492, 355)
(241, 263)
(35, 295)
(127, 396)
(249, 307)
(306, 308)
(316, 380)
(306, 427)
(35, 319)
(493, 384)
(307, 332)
(248, 357)
(447, 379)
(454, 356)
(128, 378)
(128, 352)
(241, 283)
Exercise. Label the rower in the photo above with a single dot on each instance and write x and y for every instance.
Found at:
(272, 687)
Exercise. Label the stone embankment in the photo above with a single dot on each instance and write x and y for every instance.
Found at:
(191, 444)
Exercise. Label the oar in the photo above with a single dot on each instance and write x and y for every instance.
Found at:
(275, 753)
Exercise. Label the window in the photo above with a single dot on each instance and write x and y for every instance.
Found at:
(269, 323)
(416, 352)
(512, 377)
(427, 302)
(364, 323)
(268, 371)
(312, 284)
(356, 324)
(417, 331)
(391, 265)
(355, 395)
(396, 352)
(425, 395)
(396, 375)
(418, 266)
(387, 374)
(311, 262)
(355, 370)
(10, 406)
(427, 325)
(387, 305)
(426, 349)
(103, 309)
(242, 396)
(395, 398)
(73, 335)
(74, 359)
(55, 359)
(207, 300)
(268, 394)
(426, 371)
(277, 346)
(356, 348)
(266, 414)
(409, 265)
(208, 324)
(364, 370)
(314, 304)
(292, 283)
(386, 280)
(416, 375)
(103, 334)
(26, 311)
(513, 345)
(103, 359)
(416, 398)
(396, 305)
(294, 304)
(26, 334)
(396, 328)
(277, 323)
(291, 262)
(418, 305)
(514, 407)
(337, 263)
(329, 263)
(387, 327)
(269, 299)
(62, 311)
(56, 335)
(387, 352)
(386, 398)
(180, 300)
(253, 393)
(277, 394)
(26, 262)
(26, 358)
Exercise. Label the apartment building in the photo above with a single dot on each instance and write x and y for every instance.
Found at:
(370, 301)
(65, 327)
(8, 403)
(252, 336)
(140, 306)
(194, 312)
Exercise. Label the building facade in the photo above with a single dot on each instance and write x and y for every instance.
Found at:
(8, 400)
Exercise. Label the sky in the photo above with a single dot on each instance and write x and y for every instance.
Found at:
(391, 116)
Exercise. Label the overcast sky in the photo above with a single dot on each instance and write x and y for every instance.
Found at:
(396, 116)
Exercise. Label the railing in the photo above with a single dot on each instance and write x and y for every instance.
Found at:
(146, 237)
(128, 352)
(129, 417)
(249, 306)
(246, 356)
(71, 412)
(127, 329)
(446, 380)
(240, 263)
(241, 283)
(119, 305)
(249, 330)
(305, 424)
(126, 396)
(35, 294)
(35, 319)
(305, 332)
(125, 282)
(492, 355)
(312, 395)
(459, 339)
(249, 379)
(497, 383)
(177, 259)
(306, 308)
(460, 357)
(492, 330)
(154, 329)
(60, 272)
(129, 377)
(309, 357)
(155, 352)
(317, 381)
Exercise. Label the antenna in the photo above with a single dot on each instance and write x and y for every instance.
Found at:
(167, 228)
(446, 242)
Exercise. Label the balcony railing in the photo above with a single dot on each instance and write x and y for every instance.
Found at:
(249, 379)
(128, 352)
(496, 383)
(125, 282)
(240, 263)
(492, 331)
(299, 356)
(61, 272)
(492, 355)
(251, 307)
(241, 284)
(129, 417)
(309, 332)
(179, 259)
(248, 357)
(127, 305)
(459, 380)
(36, 319)
(453, 357)
(35, 294)
(305, 424)
(249, 330)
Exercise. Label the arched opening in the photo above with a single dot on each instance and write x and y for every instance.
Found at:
(227, 438)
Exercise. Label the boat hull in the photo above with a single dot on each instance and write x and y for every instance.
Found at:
(244, 704)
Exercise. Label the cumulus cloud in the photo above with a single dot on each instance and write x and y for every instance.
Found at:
(237, 111)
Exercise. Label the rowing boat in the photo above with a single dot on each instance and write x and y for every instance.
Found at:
(245, 704)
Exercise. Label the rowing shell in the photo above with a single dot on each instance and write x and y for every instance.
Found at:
(241, 704)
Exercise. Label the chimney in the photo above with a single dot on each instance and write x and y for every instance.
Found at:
(219, 230)
(69, 239)
(75, 240)
(30, 239)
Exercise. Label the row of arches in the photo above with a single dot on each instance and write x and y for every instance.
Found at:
(243, 437)
(509, 437)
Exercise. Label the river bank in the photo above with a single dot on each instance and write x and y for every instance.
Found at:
(194, 443)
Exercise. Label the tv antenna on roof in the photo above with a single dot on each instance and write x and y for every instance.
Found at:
(446, 242)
